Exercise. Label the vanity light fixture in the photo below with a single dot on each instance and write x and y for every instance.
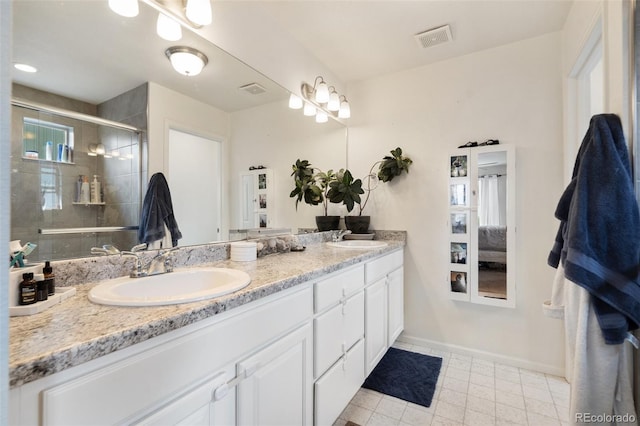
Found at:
(186, 60)
(126, 8)
(199, 11)
(167, 28)
(330, 104)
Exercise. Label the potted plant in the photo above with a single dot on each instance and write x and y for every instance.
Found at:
(388, 168)
(345, 189)
(312, 186)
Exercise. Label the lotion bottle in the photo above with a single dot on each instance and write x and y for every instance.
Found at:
(84, 190)
(27, 290)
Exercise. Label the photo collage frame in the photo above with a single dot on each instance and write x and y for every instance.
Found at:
(458, 224)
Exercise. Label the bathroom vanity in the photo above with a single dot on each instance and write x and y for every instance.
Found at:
(291, 348)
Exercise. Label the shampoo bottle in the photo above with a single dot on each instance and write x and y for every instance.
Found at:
(84, 190)
(41, 287)
(49, 278)
(95, 190)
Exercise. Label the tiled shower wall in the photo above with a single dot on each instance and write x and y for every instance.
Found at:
(120, 179)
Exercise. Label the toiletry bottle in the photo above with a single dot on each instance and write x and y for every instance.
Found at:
(95, 190)
(48, 151)
(27, 290)
(78, 189)
(49, 278)
(41, 287)
(84, 190)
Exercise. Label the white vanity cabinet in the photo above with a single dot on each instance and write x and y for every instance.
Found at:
(339, 342)
(189, 376)
(384, 301)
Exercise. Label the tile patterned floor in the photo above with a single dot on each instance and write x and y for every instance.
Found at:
(470, 391)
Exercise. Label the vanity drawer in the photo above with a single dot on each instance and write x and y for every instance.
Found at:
(378, 268)
(337, 330)
(336, 387)
(344, 283)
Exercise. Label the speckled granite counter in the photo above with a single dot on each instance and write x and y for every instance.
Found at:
(77, 331)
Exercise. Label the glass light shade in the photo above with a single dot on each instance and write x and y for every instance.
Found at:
(100, 149)
(345, 110)
(128, 8)
(186, 61)
(321, 117)
(309, 110)
(199, 11)
(322, 93)
(295, 102)
(167, 28)
(25, 67)
(334, 102)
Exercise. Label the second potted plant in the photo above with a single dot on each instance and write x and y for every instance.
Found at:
(312, 186)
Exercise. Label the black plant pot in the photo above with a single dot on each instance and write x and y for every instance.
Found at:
(327, 223)
(357, 224)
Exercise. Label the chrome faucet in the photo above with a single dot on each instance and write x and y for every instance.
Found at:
(159, 264)
(337, 236)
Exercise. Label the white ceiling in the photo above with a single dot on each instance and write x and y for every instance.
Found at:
(85, 51)
(360, 39)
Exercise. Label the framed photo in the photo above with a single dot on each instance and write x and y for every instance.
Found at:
(459, 253)
(263, 220)
(262, 181)
(458, 166)
(459, 282)
(262, 201)
(459, 222)
(458, 194)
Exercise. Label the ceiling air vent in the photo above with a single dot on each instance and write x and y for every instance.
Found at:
(253, 88)
(434, 36)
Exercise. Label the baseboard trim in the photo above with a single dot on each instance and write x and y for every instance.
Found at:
(490, 356)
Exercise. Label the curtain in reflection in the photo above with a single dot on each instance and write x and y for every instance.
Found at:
(492, 206)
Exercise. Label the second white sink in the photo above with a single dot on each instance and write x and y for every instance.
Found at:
(180, 286)
(358, 244)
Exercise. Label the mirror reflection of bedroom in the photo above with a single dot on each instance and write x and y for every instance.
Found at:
(492, 221)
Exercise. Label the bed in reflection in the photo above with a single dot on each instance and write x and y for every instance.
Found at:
(492, 261)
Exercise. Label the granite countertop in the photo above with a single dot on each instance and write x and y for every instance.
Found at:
(77, 330)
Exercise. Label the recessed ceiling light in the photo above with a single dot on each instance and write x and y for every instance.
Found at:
(25, 67)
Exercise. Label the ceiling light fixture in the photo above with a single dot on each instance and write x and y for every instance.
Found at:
(126, 8)
(331, 104)
(167, 28)
(199, 11)
(186, 60)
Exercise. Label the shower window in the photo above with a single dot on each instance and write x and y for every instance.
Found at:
(46, 140)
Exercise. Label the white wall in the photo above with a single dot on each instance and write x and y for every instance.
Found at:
(170, 109)
(275, 136)
(512, 93)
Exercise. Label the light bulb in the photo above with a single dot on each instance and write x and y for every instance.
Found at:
(322, 93)
(295, 102)
(167, 28)
(334, 102)
(321, 117)
(100, 149)
(25, 67)
(345, 110)
(309, 110)
(199, 11)
(127, 8)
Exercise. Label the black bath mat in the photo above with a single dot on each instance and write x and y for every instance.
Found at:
(406, 375)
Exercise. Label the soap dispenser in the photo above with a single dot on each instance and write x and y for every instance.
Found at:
(95, 191)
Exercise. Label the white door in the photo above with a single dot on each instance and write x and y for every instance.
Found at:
(279, 387)
(194, 178)
(375, 332)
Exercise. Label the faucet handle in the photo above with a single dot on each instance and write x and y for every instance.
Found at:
(139, 247)
(99, 251)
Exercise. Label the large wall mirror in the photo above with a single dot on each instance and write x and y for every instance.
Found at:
(95, 62)
(482, 225)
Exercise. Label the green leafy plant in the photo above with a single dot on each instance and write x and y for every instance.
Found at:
(345, 189)
(311, 184)
(388, 168)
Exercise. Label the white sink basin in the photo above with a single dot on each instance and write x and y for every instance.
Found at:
(181, 286)
(358, 244)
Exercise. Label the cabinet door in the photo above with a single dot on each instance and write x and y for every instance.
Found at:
(279, 384)
(375, 322)
(395, 283)
(197, 406)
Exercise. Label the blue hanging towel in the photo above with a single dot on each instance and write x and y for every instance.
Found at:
(598, 241)
(157, 211)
